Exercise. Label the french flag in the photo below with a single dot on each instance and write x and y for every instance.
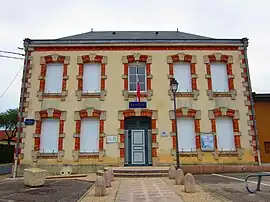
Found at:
(138, 97)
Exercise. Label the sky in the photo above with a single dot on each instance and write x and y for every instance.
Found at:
(54, 19)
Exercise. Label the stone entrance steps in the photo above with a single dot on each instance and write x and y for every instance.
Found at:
(148, 171)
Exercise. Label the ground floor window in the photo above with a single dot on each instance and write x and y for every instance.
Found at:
(49, 136)
(89, 137)
(186, 134)
(225, 134)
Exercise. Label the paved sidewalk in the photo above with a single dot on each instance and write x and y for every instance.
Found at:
(145, 190)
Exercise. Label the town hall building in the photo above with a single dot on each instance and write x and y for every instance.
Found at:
(81, 108)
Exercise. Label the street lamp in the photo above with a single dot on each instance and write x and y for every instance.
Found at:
(173, 88)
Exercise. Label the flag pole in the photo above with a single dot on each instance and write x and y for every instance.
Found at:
(138, 83)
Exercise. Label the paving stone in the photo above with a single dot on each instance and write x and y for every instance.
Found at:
(145, 189)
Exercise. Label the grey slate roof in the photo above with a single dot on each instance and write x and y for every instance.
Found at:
(134, 35)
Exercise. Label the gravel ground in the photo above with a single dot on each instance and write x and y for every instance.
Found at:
(52, 191)
(199, 196)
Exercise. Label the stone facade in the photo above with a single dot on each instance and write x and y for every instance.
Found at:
(111, 104)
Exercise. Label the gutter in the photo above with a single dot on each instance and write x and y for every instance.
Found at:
(26, 45)
(245, 42)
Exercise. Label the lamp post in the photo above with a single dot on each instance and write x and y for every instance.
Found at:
(173, 88)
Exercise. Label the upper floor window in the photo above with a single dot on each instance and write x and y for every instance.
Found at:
(54, 77)
(219, 77)
(91, 78)
(182, 74)
(137, 76)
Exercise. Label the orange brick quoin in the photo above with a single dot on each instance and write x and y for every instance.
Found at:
(228, 59)
(192, 60)
(137, 57)
(246, 87)
(84, 113)
(54, 114)
(234, 114)
(142, 112)
(25, 102)
(91, 58)
(186, 112)
(44, 61)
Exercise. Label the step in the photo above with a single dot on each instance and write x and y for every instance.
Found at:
(134, 174)
(139, 169)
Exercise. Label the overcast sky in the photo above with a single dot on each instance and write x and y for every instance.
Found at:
(58, 18)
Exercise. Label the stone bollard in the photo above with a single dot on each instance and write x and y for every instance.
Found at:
(110, 170)
(34, 177)
(107, 179)
(189, 183)
(172, 172)
(179, 176)
(100, 187)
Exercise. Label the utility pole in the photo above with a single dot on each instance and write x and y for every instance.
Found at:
(26, 44)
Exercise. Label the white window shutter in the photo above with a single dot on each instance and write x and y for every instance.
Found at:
(89, 137)
(225, 134)
(91, 78)
(186, 134)
(49, 136)
(54, 77)
(182, 74)
(219, 77)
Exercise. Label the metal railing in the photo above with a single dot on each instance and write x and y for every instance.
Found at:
(259, 175)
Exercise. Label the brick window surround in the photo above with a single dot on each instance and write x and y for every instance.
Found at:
(192, 60)
(54, 114)
(186, 112)
(228, 59)
(137, 57)
(121, 131)
(91, 58)
(234, 114)
(54, 58)
(78, 116)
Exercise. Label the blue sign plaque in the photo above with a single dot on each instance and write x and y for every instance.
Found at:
(29, 121)
(137, 105)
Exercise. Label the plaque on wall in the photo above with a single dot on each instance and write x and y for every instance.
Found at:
(207, 142)
(112, 139)
(164, 134)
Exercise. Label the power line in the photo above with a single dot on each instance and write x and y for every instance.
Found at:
(11, 83)
(11, 57)
(10, 52)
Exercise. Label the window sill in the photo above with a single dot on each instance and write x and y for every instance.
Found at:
(227, 153)
(211, 94)
(89, 155)
(128, 94)
(188, 154)
(194, 94)
(47, 155)
(101, 95)
(61, 95)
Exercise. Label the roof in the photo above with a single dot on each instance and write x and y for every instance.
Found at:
(261, 97)
(118, 37)
(3, 136)
(121, 35)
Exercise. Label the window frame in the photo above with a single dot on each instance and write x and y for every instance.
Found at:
(179, 133)
(190, 82)
(226, 75)
(99, 75)
(145, 77)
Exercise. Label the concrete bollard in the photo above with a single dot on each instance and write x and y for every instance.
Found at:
(107, 179)
(100, 187)
(172, 172)
(110, 170)
(189, 183)
(179, 176)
